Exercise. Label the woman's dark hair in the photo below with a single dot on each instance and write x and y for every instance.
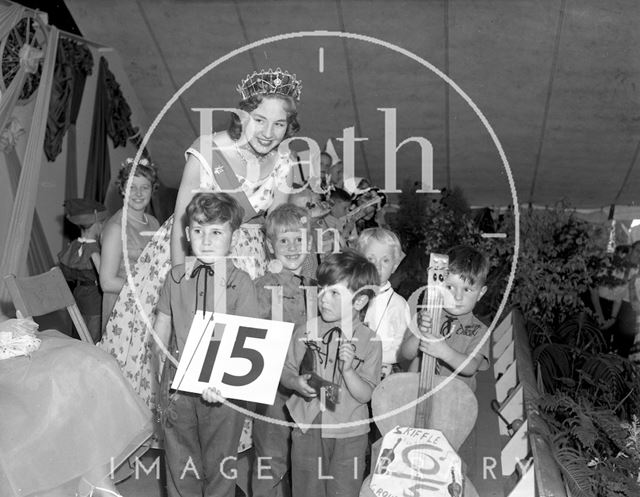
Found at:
(252, 103)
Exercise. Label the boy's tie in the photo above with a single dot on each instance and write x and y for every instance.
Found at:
(208, 271)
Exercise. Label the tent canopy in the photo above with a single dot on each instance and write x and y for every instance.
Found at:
(558, 82)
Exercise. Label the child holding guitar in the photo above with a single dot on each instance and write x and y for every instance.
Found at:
(461, 330)
(445, 340)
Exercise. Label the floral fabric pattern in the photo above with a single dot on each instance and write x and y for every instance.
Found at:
(127, 335)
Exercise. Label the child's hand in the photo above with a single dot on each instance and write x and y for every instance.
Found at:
(302, 386)
(346, 353)
(608, 323)
(433, 346)
(424, 322)
(212, 395)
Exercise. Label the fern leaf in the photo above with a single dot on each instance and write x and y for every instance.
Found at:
(559, 401)
(584, 430)
(610, 425)
(554, 361)
(574, 468)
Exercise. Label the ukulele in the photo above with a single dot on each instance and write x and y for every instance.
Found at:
(451, 410)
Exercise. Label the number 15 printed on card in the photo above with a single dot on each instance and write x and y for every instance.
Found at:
(240, 356)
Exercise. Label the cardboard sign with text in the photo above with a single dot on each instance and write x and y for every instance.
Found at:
(240, 356)
(416, 462)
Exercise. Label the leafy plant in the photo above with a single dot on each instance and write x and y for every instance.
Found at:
(573, 465)
(559, 254)
(589, 407)
(558, 257)
(429, 223)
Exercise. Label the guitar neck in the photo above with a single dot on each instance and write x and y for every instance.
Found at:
(423, 411)
(438, 265)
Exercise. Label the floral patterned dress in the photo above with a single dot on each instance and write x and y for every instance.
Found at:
(127, 335)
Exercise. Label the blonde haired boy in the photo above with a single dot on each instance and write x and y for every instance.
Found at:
(388, 314)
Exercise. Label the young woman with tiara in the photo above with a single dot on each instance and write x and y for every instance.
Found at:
(246, 161)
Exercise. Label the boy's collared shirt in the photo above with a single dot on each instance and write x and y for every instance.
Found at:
(388, 315)
(293, 307)
(219, 287)
(463, 335)
(366, 363)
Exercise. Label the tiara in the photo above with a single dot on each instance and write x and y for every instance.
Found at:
(130, 161)
(270, 82)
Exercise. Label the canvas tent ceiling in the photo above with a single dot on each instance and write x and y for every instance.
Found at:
(558, 80)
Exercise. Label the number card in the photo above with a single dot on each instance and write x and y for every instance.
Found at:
(242, 357)
(416, 462)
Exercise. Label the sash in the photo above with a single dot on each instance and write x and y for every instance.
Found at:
(228, 182)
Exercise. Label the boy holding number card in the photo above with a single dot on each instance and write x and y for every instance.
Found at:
(202, 433)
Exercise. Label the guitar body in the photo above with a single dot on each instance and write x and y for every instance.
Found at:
(454, 408)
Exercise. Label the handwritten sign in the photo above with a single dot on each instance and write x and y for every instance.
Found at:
(415, 462)
(240, 356)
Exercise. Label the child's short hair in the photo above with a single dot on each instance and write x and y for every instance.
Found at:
(215, 207)
(144, 168)
(470, 264)
(286, 217)
(383, 236)
(352, 268)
